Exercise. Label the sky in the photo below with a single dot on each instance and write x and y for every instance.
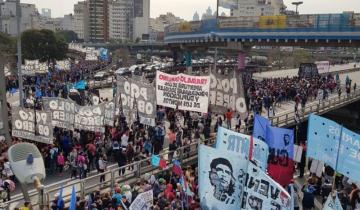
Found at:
(186, 8)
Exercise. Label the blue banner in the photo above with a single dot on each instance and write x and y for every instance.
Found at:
(281, 154)
(260, 124)
(323, 144)
(104, 54)
(323, 140)
(231, 141)
(221, 179)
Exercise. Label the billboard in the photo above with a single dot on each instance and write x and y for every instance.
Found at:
(275, 22)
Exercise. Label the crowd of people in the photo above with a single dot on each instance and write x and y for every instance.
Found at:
(270, 93)
(80, 152)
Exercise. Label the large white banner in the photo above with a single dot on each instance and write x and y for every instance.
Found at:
(232, 142)
(262, 192)
(63, 65)
(323, 66)
(91, 54)
(109, 116)
(137, 97)
(221, 179)
(183, 91)
(227, 92)
(33, 67)
(23, 125)
(62, 110)
(90, 118)
(143, 201)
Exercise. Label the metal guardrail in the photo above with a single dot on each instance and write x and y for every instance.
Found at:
(186, 155)
(318, 107)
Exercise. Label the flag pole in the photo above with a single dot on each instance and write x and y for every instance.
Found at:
(217, 9)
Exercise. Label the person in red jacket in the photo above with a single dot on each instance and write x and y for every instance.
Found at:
(228, 116)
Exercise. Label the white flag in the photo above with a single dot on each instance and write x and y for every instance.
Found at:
(332, 204)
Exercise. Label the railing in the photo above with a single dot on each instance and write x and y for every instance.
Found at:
(186, 155)
(317, 107)
(320, 22)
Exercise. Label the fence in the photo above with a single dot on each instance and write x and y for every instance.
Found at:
(318, 107)
(186, 155)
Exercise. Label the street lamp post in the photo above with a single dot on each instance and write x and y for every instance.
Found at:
(19, 53)
(297, 3)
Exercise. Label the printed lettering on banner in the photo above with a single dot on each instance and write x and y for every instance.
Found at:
(62, 111)
(135, 89)
(262, 192)
(109, 116)
(90, 118)
(324, 139)
(230, 141)
(185, 92)
(221, 178)
(23, 125)
(323, 66)
(143, 201)
(33, 67)
(227, 92)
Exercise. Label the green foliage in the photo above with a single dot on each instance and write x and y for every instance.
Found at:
(301, 56)
(68, 36)
(7, 45)
(43, 45)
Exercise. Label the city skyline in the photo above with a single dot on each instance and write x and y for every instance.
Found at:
(181, 9)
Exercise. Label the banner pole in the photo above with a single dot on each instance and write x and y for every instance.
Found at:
(337, 160)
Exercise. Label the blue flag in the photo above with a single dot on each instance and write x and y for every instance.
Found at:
(231, 141)
(13, 90)
(155, 160)
(80, 85)
(104, 54)
(60, 201)
(260, 124)
(325, 137)
(38, 93)
(73, 199)
(221, 178)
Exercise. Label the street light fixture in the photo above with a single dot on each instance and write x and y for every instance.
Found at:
(297, 3)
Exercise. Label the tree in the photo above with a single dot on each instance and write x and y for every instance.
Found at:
(301, 56)
(7, 45)
(68, 36)
(43, 45)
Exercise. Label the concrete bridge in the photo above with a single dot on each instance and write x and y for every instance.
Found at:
(294, 30)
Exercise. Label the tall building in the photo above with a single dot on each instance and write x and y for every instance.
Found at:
(98, 20)
(196, 17)
(157, 25)
(45, 12)
(81, 20)
(66, 23)
(141, 18)
(29, 17)
(120, 20)
(208, 14)
(258, 8)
